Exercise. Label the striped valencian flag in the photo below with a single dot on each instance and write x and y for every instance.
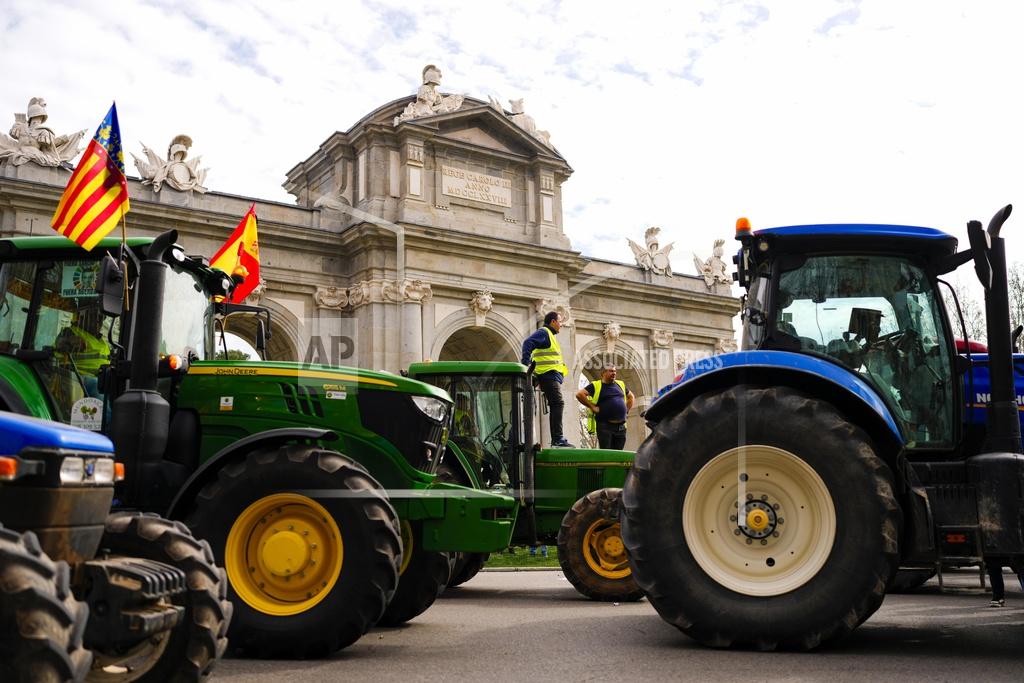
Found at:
(96, 197)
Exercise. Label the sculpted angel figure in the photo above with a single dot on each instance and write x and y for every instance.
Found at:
(652, 258)
(428, 100)
(175, 170)
(30, 140)
(713, 270)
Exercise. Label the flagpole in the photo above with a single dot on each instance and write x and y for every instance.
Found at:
(124, 261)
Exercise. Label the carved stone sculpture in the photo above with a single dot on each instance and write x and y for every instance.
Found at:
(481, 304)
(652, 258)
(545, 306)
(257, 293)
(526, 122)
(30, 140)
(612, 332)
(331, 297)
(713, 270)
(662, 338)
(726, 346)
(428, 100)
(680, 362)
(175, 171)
(388, 291)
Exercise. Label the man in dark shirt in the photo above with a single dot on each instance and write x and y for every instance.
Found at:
(609, 411)
(542, 349)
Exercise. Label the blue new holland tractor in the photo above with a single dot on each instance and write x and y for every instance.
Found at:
(783, 486)
(90, 594)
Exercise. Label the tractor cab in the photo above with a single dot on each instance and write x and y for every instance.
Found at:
(61, 318)
(492, 420)
(867, 298)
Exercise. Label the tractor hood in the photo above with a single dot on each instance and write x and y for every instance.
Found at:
(18, 432)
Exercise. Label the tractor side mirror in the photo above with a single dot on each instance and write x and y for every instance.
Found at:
(980, 246)
(110, 287)
(261, 337)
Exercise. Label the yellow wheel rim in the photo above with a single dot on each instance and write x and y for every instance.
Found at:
(759, 520)
(284, 554)
(604, 551)
(407, 542)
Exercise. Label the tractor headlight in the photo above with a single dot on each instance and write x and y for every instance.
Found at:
(434, 408)
(72, 470)
(103, 472)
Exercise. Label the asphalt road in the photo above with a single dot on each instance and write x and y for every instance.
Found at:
(533, 626)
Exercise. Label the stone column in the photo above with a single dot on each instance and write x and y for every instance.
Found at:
(409, 295)
(661, 357)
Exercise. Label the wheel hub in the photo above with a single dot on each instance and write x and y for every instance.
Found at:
(757, 519)
(285, 553)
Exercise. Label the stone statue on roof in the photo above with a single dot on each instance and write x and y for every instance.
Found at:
(652, 258)
(713, 270)
(175, 170)
(429, 100)
(30, 140)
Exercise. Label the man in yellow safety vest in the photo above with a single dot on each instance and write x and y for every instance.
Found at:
(542, 349)
(608, 401)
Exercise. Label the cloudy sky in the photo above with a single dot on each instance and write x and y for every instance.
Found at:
(684, 115)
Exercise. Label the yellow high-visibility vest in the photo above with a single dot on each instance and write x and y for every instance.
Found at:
(550, 358)
(95, 355)
(591, 418)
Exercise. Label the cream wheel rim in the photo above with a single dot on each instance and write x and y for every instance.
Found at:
(759, 520)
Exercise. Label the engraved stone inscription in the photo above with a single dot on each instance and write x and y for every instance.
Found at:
(457, 182)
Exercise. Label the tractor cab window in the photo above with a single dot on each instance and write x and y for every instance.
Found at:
(53, 307)
(483, 421)
(185, 327)
(878, 316)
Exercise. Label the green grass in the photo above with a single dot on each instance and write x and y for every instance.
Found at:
(521, 557)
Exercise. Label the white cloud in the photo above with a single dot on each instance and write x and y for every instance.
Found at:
(684, 116)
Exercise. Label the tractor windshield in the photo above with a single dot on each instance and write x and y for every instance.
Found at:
(487, 426)
(50, 316)
(879, 316)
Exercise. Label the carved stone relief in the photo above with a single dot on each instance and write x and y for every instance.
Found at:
(481, 304)
(331, 297)
(662, 338)
(545, 306)
(713, 270)
(652, 258)
(180, 174)
(612, 332)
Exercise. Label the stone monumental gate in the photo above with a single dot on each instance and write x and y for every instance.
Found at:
(432, 228)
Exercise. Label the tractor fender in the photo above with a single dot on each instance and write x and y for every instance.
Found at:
(271, 438)
(817, 377)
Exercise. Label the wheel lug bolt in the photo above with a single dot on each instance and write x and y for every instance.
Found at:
(775, 506)
(305, 532)
(750, 496)
(736, 531)
(764, 541)
(781, 520)
(312, 546)
(736, 504)
(749, 541)
(291, 527)
(732, 518)
(744, 476)
(764, 498)
(775, 534)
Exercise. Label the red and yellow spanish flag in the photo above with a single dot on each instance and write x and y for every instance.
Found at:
(240, 256)
(96, 197)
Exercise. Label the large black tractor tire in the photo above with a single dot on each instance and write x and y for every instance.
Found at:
(591, 552)
(424, 574)
(194, 646)
(826, 571)
(467, 565)
(41, 623)
(909, 580)
(310, 544)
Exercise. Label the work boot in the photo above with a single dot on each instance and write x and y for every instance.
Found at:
(561, 443)
(997, 603)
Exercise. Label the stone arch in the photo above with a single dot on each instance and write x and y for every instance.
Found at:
(498, 333)
(284, 340)
(631, 369)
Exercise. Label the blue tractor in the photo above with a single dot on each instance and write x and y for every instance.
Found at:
(86, 594)
(783, 486)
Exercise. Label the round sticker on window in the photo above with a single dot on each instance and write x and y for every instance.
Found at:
(87, 413)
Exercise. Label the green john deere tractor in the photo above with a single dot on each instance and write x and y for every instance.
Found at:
(314, 485)
(568, 496)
